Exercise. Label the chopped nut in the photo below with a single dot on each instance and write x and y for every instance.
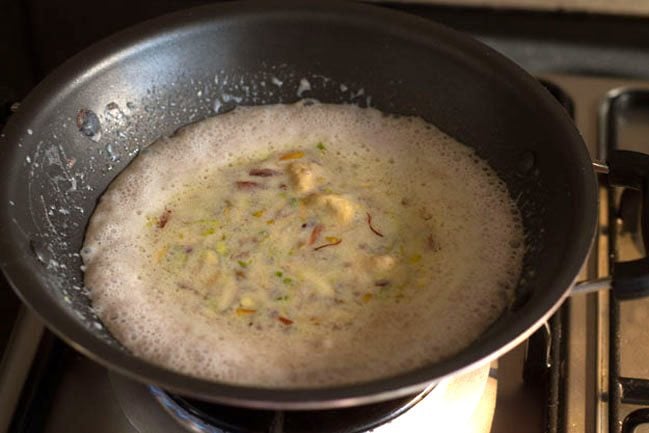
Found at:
(244, 311)
(337, 206)
(383, 263)
(246, 185)
(315, 234)
(263, 172)
(164, 218)
(247, 302)
(302, 176)
(292, 155)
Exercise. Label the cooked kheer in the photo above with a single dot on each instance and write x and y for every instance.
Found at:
(293, 246)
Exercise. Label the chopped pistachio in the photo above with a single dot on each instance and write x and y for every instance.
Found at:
(221, 248)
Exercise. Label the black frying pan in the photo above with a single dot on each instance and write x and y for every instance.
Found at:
(84, 123)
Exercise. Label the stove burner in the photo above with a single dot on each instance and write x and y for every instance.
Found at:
(198, 416)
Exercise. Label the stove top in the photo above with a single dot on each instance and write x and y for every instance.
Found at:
(587, 370)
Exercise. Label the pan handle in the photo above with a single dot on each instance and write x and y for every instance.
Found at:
(628, 280)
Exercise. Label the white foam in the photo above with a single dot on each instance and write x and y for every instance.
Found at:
(469, 282)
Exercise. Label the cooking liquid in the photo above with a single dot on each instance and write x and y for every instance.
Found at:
(293, 246)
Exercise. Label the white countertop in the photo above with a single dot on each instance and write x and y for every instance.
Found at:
(613, 7)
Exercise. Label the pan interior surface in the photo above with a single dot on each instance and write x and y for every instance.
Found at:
(84, 124)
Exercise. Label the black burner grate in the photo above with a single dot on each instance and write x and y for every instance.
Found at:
(622, 390)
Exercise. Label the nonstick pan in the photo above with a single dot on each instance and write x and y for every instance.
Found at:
(84, 123)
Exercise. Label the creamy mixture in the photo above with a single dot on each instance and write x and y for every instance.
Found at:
(302, 245)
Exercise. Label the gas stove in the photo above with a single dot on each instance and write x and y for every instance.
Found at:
(586, 370)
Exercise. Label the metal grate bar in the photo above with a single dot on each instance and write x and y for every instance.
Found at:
(622, 390)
